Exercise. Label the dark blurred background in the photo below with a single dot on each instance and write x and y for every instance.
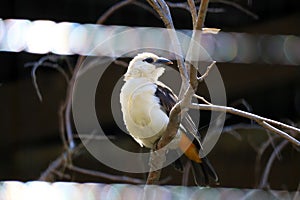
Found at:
(29, 136)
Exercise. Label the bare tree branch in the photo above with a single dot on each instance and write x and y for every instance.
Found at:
(281, 133)
(61, 123)
(47, 175)
(200, 79)
(201, 98)
(157, 158)
(63, 162)
(201, 14)
(193, 11)
(193, 50)
(265, 122)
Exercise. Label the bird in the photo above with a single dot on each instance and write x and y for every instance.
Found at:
(146, 104)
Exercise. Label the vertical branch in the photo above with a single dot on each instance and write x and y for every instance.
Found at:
(201, 14)
(193, 47)
(193, 11)
(186, 91)
(162, 9)
(66, 107)
(157, 157)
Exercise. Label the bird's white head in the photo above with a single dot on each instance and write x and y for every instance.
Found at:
(146, 65)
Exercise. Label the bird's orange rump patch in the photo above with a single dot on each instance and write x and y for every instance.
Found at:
(189, 149)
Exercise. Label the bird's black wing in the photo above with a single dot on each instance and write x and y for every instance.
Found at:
(167, 100)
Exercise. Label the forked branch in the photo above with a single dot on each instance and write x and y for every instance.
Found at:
(268, 124)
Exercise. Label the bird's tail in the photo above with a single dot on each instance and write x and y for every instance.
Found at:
(201, 165)
(207, 171)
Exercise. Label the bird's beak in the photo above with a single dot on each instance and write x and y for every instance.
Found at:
(163, 61)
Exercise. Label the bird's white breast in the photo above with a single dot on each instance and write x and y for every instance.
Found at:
(142, 115)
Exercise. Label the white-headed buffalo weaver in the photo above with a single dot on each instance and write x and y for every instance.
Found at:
(146, 104)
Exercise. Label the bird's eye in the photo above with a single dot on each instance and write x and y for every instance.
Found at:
(148, 60)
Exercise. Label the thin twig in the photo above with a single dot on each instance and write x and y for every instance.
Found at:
(68, 126)
(201, 98)
(63, 162)
(62, 126)
(54, 166)
(279, 132)
(68, 64)
(62, 175)
(200, 79)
